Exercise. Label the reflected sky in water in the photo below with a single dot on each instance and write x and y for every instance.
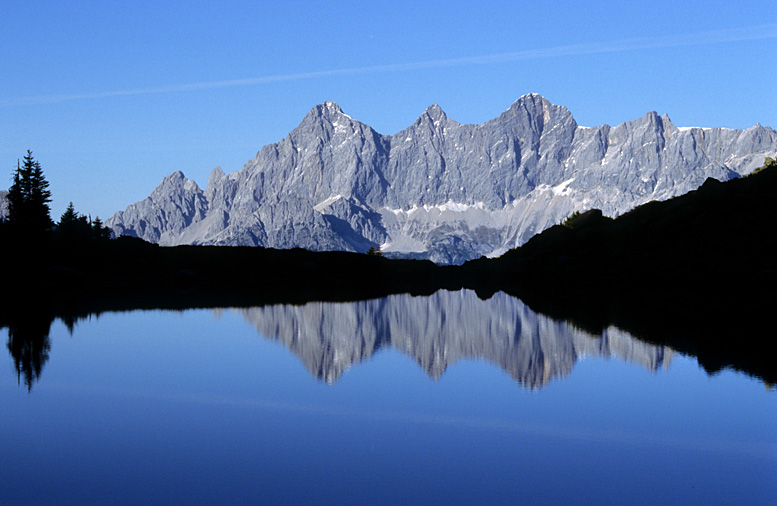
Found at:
(378, 402)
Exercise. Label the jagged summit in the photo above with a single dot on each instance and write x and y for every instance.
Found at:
(216, 175)
(532, 98)
(433, 118)
(175, 180)
(534, 110)
(440, 189)
(528, 98)
(175, 176)
(326, 110)
(435, 112)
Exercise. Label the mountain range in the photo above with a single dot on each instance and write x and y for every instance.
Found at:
(439, 189)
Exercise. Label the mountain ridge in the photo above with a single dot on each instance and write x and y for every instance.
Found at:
(439, 189)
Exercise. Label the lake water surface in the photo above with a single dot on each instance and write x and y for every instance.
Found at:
(446, 399)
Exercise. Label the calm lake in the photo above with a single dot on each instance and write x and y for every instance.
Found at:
(446, 399)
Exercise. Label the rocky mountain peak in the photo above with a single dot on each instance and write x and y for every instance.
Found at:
(440, 189)
(668, 125)
(332, 106)
(215, 177)
(174, 177)
(323, 122)
(531, 102)
(329, 110)
(174, 184)
(176, 181)
(433, 117)
(534, 110)
(435, 112)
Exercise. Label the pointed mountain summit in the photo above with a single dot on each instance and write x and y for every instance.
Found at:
(215, 177)
(165, 214)
(440, 189)
(434, 112)
(328, 110)
(433, 118)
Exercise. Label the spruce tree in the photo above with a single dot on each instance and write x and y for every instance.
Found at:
(16, 196)
(40, 197)
(69, 216)
(73, 226)
(99, 231)
(29, 197)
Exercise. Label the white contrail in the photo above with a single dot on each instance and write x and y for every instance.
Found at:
(694, 39)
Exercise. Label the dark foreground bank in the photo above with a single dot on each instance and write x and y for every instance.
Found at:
(696, 273)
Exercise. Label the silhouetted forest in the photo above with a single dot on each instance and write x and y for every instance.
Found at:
(696, 273)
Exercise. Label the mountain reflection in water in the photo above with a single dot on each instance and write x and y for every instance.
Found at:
(436, 331)
(441, 329)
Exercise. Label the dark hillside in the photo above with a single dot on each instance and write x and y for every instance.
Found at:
(698, 271)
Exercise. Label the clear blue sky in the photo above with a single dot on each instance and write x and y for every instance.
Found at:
(113, 96)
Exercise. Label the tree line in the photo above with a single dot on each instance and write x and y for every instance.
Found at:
(29, 213)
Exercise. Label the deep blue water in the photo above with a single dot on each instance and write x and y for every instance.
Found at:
(441, 400)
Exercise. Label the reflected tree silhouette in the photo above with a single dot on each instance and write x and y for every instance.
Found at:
(29, 346)
(28, 342)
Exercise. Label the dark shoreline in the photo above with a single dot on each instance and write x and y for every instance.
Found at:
(696, 273)
(700, 323)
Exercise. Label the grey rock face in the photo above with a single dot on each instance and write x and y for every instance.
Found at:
(167, 213)
(441, 329)
(3, 204)
(440, 189)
